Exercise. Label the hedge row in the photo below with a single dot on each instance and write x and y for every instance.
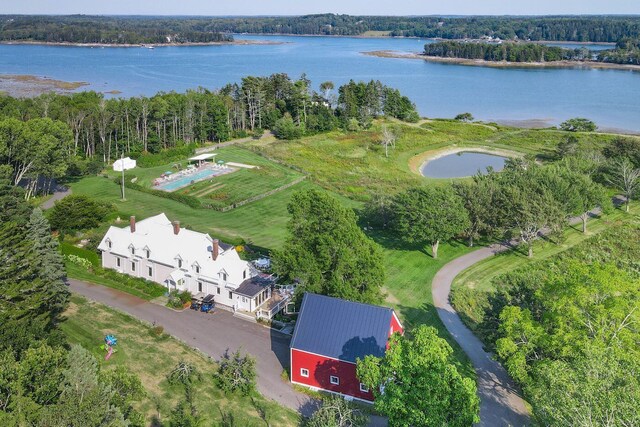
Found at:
(190, 201)
(69, 249)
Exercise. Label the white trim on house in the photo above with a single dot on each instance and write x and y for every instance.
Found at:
(166, 248)
(302, 372)
(334, 379)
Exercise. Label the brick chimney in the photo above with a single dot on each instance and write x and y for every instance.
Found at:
(176, 227)
(215, 250)
(132, 223)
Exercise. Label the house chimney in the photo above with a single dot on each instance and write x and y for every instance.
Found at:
(176, 227)
(132, 223)
(215, 250)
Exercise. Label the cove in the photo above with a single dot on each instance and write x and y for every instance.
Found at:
(462, 164)
(609, 97)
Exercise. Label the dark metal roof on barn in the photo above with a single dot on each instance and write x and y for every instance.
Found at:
(341, 329)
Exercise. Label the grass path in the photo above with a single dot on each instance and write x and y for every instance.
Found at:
(480, 275)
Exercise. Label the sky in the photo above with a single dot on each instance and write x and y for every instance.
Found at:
(301, 7)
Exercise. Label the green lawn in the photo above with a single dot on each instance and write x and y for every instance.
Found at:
(224, 190)
(261, 223)
(152, 356)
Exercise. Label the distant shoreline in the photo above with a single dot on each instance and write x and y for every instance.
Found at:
(500, 64)
(141, 45)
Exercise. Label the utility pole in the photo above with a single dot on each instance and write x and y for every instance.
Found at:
(122, 165)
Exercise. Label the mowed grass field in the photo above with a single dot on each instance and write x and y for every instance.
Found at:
(227, 189)
(152, 356)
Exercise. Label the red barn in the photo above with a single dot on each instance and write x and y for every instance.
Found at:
(330, 335)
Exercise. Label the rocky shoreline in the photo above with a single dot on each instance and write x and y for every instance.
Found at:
(500, 64)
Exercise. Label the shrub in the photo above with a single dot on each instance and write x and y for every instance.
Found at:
(237, 373)
(464, 117)
(147, 160)
(285, 128)
(69, 250)
(190, 201)
(578, 125)
(76, 212)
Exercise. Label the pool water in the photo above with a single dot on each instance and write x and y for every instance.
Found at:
(184, 181)
(463, 164)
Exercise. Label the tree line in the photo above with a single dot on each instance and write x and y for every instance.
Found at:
(107, 30)
(101, 29)
(44, 380)
(511, 52)
(53, 136)
(626, 51)
(565, 329)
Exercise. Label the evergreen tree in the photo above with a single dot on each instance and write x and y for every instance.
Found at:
(32, 295)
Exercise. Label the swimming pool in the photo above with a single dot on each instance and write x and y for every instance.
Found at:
(183, 181)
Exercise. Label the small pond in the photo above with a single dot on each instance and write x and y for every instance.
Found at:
(462, 164)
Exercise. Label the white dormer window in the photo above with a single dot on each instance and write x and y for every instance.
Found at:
(197, 268)
(109, 244)
(132, 249)
(224, 276)
(244, 274)
(147, 253)
(179, 263)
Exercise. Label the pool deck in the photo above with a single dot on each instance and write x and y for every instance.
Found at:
(190, 179)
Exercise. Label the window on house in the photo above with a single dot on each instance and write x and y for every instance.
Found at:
(364, 388)
(244, 274)
(304, 372)
(133, 250)
(244, 299)
(334, 380)
(117, 262)
(197, 269)
(179, 263)
(230, 295)
(224, 276)
(148, 253)
(218, 290)
(133, 266)
(109, 244)
(199, 286)
(150, 269)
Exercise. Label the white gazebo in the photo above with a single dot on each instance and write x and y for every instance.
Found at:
(201, 158)
(124, 164)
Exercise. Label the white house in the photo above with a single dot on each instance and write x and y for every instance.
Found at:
(159, 250)
(124, 164)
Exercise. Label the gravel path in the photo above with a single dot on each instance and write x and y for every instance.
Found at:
(500, 401)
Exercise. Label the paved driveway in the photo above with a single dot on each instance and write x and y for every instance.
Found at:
(213, 334)
(500, 401)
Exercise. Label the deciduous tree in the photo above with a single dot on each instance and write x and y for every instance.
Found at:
(415, 383)
(327, 252)
(429, 215)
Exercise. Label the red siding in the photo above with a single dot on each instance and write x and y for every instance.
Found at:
(321, 368)
(395, 325)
